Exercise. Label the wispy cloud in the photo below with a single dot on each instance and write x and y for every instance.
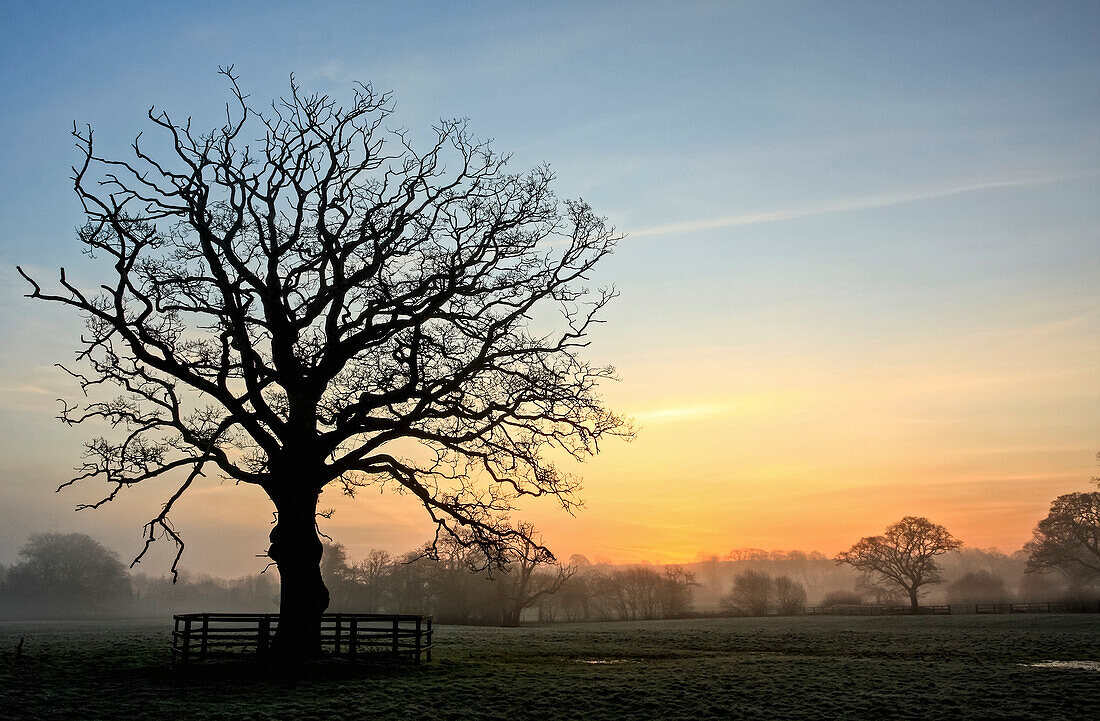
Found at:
(851, 204)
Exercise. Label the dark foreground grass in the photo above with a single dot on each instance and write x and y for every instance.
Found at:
(927, 667)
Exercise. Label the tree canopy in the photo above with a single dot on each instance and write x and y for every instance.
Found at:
(65, 574)
(904, 555)
(1068, 539)
(301, 298)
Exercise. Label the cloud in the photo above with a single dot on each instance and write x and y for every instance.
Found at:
(864, 203)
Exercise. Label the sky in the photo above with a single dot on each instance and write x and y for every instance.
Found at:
(858, 277)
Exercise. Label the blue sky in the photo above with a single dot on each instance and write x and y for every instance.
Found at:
(875, 221)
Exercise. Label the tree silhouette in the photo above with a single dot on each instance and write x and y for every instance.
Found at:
(65, 574)
(1068, 539)
(904, 555)
(324, 304)
(752, 594)
(676, 591)
(525, 581)
(790, 595)
(978, 587)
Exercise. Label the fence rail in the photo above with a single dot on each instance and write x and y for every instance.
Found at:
(1051, 607)
(354, 636)
(955, 608)
(853, 610)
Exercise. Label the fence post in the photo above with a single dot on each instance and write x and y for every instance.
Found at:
(175, 638)
(336, 635)
(205, 628)
(353, 637)
(419, 621)
(396, 626)
(186, 639)
(265, 633)
(428, 641)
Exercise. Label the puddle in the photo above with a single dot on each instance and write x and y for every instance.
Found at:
(1080, 665)
(601, 660)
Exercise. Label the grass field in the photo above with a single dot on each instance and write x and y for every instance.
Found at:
(925, 667)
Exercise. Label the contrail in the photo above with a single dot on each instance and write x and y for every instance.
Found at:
(864, 203)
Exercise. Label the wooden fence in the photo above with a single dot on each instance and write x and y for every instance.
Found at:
(354, 636)
(853, 610)
(1052, 607)
(955, 608)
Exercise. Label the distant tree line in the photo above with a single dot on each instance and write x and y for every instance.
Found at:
(74, 576)
(755, 593)
(71, 575)
(447, 585)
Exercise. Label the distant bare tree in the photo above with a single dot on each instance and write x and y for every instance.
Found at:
(752, 594)
(373, 574)
(457, 588)
(353, 586)
(606, 599)
(676, 592)
(528, 577)
(411, 582)
(300, 298)
(573, 599)
(641, 591)
(748, 554)
(790, 595)
(905, 555)
(337, 576)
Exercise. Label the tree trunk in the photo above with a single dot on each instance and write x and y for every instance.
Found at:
(913, 597)
(296, 550)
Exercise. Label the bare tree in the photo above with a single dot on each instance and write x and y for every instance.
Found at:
(752, 594)
(529, 577)
(676, 594)
(790, 596)
(327, 305)
(574, 598)
(458, 589)
(1068, 539)
(372, 573)
(905, 555)
(341, 579)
